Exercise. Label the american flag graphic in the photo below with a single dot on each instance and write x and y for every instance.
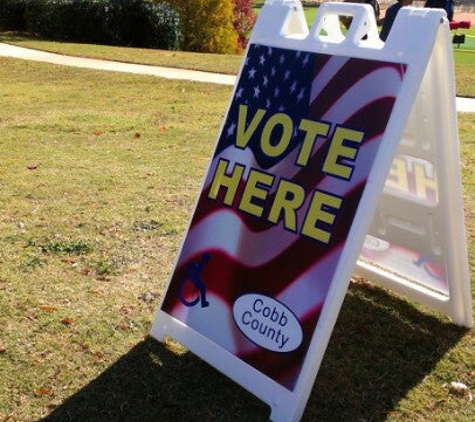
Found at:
(228, 252)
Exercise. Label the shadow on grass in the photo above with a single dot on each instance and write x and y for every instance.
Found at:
(15, 36)
(380, 349)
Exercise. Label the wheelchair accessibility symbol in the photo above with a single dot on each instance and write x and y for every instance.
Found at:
(430, 268)
(193, 275)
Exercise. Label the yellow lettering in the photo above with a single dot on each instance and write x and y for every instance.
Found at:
(288, 199)
(253, 190)
(339, 149)
(312, 129)
(423, 183)
(244, 134)
(228, 182)
(272, 148)
(318, 213)
(397, 178)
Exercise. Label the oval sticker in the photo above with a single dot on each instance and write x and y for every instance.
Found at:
(267, 322)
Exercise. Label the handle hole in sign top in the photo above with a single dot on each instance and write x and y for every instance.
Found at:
(330, 28)
(359, 24)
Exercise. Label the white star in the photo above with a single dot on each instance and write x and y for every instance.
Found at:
(306, 59)
(231, 130)
(257, 91)
(265, 80)
(287, 75)
(293, 87)
(239, 92)
(282, 59)
(301, 94)
(252, 72)
(262, 60)
(276, 92)
(268, 103)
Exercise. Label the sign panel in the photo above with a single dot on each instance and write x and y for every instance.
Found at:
(416, 244)
(405, 237)
(279, 199)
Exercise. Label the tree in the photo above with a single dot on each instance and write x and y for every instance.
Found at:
(243, 22)
(207, 25)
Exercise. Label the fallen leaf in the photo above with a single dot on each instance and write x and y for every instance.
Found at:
(85, 347)
(122, 326)
(126, 310)
(137, 135)
(97, 133)
(98, 356)
(148, 297)
(433, 406)
(460, 389)
(43, 392)
(32, 167)
(130, 270)
(163, 129)
(48, 308)
(2, 349)
(67, 321)
(458, 386)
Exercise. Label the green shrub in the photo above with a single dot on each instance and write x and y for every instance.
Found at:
(12, 15)
(146, 24)
(207, 25)
(137, 23)
(52, 18)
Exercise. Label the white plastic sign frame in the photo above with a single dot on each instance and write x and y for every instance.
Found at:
(309, 138)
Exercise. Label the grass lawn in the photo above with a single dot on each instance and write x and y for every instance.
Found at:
(219, 63)
(229, 64)
(98, 176)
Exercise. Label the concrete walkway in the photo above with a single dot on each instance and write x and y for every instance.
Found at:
(464, 105)
(8, 50)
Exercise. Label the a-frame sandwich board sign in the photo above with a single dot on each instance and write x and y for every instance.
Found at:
(300, 164)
